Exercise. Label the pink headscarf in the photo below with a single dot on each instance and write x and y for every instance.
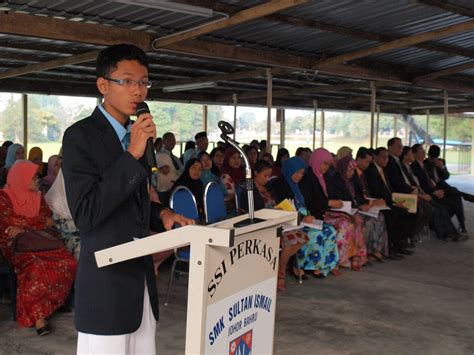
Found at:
(52, 172)
(319, 156)
(25, 202)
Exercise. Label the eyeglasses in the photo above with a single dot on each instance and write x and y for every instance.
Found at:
(128, 83)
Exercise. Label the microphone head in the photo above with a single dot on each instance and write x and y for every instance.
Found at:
(142, 107)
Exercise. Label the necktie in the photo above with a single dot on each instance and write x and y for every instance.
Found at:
(126, 141)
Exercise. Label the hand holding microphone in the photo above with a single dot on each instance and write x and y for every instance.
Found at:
(142, 135)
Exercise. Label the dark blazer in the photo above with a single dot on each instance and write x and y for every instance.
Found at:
(258, 202)
(281, 190)
(423, 177)
(430, 168)
(315, 199)
(107, 194)
(338, 190)
(395, 177)
(376, 185)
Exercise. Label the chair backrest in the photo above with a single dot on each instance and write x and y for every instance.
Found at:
(182, 201)
(214, 205)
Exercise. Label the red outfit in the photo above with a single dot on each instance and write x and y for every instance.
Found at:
(44, 278)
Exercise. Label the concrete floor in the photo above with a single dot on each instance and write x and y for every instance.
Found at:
(421, 305)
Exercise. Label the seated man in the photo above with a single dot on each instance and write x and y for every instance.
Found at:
(438, 172)
(400, 223)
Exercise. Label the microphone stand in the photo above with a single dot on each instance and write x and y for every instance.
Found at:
(227, 129)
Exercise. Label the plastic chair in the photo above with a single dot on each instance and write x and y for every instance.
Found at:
(182, 201)
(214, 205)
(7, 276)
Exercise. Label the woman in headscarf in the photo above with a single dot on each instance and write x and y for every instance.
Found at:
(191, 178)
(345, 186)
(349, 229)
(3, 156)
(57, 203)
(317, 249)
(14, 152)
(36, 156)
(166, 176)
(232, 174)
(44, 278)
(54, 164)
(207, 174)
(252, 155)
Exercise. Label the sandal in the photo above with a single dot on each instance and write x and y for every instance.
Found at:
(296, 276)
(336, 272)
(378, 256)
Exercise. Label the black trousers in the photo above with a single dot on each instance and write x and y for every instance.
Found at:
(400, 226)
(441, 221)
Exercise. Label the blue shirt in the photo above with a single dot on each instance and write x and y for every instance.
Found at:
(118, 128)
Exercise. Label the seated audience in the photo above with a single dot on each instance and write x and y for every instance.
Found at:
(401, 183)
(400, 223)
(54, 164)
(36, 156)
(169, 142)
(44, 278)
(15, 152)
(282, 155)
(441, 220)
(346, 186)
(3, 156)
(217, 156)
(350, 230)
(191, 178)
(158, 144)
(202, 143)
(304, 154)
(232, 174)
(208, 175)
(317, 248)
(252, 155)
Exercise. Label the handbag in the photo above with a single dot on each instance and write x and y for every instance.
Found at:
(37, 240)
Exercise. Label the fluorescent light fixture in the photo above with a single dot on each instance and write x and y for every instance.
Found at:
(171, 6)
(187, 87)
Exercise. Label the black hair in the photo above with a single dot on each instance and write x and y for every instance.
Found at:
(248, 148)
(262, 165)
(280, 154)
(379, 150)
(6, 144)
(215, 150)
(416, 147)
(108, 58)
(405, 151)
(189, 145)
(391, 141)
(362, 153)
(168, 134)
(299, 151)
(201, 153)
(434, 151)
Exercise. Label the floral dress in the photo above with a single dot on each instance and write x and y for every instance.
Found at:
(320, 252)
(45, 278)
(70, 233)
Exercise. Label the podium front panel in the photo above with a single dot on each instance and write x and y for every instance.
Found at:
(241, 292)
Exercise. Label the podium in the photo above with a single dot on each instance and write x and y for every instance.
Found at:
(232, 280)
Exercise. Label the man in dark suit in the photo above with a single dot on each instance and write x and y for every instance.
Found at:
(400, 182)
(447, 196)
(116, 307)
(400, 223)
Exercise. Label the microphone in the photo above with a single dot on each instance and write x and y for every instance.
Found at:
(142, 108)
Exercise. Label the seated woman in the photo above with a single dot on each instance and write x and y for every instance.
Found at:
(54, 164)
(166, 176)
(232, 174)
(217, 156)
(263, 198)
(57, 203)
(345, 186)
(350, 230)
(317, 248)
(282, 155)
(35, 155)
(252, 155)
(208, 173)
(14, 152)
(191, 178)
(44, 278)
